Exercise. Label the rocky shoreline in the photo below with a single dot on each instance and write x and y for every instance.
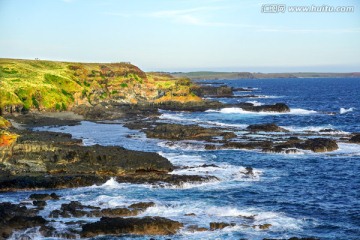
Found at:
(47, 160)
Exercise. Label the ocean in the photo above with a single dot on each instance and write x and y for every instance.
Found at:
(301, 195)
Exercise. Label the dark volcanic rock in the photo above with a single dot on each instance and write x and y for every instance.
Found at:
(190, 106)
(141, 226)
(44, 197)
(355, 138)
(39, 204)
(247, 145)
(278, 107)
(213, 91)
(14, 217)
(182, 132)
(319, 145)
(269, 127)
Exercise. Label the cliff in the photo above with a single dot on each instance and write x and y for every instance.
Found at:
(57, 86)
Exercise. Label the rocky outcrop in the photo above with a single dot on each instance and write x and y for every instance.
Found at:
(62, 155)
(277, 107)
(355, 139)
(319, 145)
(15, 217)
(220, 225)
(76, 209)
(268, 127)
(182, 132)
(213, 91)
(138, 226)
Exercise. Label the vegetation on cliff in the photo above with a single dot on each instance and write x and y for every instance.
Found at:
(57, 86)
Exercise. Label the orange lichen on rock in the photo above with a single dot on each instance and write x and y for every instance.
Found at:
(7, 138)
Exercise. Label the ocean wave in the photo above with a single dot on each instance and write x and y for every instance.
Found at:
(295, 111)
(199, 165)
(324, 130)
(346, 110)
(179, 117)
(255, 103)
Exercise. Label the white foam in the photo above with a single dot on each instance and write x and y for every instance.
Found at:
(179, 117)
(195, 166)
(316, 129)
(295, 111)
(112, 183)
(346, 110)
(255, 103)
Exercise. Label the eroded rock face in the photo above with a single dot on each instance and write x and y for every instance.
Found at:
(141, 226)
(39, 153)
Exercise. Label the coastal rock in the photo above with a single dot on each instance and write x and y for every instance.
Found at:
(278, 107)
(213, 91)
(220, 225)
(139, 226)
(247, 145)
(44, 197)
(15, 217)
(182, 132)
(268, 127)
(39, 204)
(319, 145)
(355, 138)
(196, 228)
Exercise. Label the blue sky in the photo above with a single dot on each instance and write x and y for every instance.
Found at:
(183, 35)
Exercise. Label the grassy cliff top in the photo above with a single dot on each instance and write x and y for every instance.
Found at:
(56, 86)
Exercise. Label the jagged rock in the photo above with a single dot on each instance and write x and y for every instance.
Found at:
(268, 127)
(319, 145)
(182, 132)
(210, 147)
(247, 145)
(265, 226)
(190, 214)
(141, 226)
(15, 217)
(142, 205)
(213, 91)
(355, 138)
(196, 228)
(228, 135)
(220, 225)
(39, 204)
(277, 107)
(44, 197)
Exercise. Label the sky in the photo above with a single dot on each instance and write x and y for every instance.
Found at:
(184, 35)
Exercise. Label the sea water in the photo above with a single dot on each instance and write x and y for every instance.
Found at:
(304, 194)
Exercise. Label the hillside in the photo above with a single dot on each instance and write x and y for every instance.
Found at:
(58, 86)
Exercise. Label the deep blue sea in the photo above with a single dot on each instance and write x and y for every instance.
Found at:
(303, 195)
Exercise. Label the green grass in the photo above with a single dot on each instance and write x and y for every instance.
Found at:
(57, 86)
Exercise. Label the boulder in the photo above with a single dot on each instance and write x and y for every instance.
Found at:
(139, 226)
